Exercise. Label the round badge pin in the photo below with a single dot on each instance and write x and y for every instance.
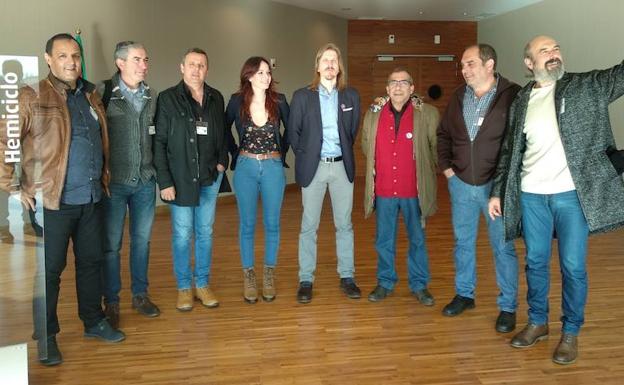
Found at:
(408, 135)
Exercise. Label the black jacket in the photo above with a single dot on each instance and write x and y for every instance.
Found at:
(182, 158)
(305, 131)
(474, 162)
(232, 115)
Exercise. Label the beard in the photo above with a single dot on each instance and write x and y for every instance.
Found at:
(549, 75)
(329, 73)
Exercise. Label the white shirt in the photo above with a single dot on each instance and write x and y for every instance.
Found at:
(544, 164)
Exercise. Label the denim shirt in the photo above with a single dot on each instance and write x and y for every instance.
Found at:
(329, 119)
(86, 158)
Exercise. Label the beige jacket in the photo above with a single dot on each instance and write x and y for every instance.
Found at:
(426, 119)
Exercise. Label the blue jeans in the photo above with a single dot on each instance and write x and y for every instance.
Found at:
(187, 221)
(140, 201)
(264, 177)
(330, 176)
(468, 202)
(387, 214)
(541, 214)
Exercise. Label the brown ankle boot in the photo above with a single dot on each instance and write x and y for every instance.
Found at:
(268, 284)
(185, 300)
(529, 336)
(567, 350)
(250, 290)
(206, 296)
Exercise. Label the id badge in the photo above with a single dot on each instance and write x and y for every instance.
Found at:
(151, 130)
(202, 128)
(93, 113)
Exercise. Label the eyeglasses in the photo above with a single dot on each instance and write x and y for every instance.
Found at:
(399, 83)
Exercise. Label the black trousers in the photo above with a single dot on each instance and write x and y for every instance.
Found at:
(83, 224)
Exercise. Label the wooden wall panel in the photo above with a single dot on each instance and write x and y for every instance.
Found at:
(368, 38)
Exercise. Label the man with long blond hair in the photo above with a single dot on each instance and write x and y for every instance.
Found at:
(323, 123)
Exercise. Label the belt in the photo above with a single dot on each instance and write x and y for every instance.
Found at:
(331, 159)
(265, 156)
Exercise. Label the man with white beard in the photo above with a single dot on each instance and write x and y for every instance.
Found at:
(556, 175)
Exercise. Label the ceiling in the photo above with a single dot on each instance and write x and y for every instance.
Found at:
(456, 10)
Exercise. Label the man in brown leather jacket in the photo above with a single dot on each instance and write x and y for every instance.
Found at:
(63, 136)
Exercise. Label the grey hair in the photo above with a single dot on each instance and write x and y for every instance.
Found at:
(122, 48)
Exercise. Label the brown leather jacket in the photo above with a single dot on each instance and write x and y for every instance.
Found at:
(45, 136)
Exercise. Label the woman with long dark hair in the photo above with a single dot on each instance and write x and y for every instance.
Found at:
(258, 158)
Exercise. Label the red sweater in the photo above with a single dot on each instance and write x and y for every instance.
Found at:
(395, 167)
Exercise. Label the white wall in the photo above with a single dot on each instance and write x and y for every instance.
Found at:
(589, 32)
(229, 30)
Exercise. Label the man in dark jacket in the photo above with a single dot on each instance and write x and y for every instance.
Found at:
(130, 106)
(555, 175)
(190, 155)
(469, 140)
(323, 123)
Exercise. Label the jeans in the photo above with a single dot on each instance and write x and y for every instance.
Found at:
(194, 220)
(83, 224)
(264, 177)
(332, 176)
(467, 203)
(541, 214)
(387, 214)
(140, 201)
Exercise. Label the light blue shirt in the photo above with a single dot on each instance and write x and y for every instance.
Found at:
(476, 108)
(135, 97)
(329, 119)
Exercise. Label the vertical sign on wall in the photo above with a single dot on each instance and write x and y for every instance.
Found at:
(22, 276)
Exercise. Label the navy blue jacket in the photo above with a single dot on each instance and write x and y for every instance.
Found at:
(305, 130)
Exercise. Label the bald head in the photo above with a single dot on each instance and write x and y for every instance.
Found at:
(536, 42)
(542, 57)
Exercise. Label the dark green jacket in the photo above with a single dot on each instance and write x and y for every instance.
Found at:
(582, 106)
(182, 158)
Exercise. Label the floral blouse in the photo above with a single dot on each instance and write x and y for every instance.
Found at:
(259, 140)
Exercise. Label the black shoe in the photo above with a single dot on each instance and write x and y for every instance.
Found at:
(506, 322)
(304, 294)
(54, 354)
(145, 306)
(348, 286)
(379, 293)
(105, 332)
(111, 311)
(424, 296)
(458, 305)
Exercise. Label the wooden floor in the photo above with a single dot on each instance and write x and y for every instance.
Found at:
(333, 340)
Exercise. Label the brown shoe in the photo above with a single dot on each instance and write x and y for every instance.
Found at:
(144, 305)
(250, 289)
(185, 300)
(268, 284)
(529, 336)
(206, 296)
(567, 350)
(111, 311)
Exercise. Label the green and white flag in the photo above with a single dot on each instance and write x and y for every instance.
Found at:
(83, 65)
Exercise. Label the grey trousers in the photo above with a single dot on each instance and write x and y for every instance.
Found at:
(334, 177)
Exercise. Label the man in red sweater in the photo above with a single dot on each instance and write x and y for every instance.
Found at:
(399, 142)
